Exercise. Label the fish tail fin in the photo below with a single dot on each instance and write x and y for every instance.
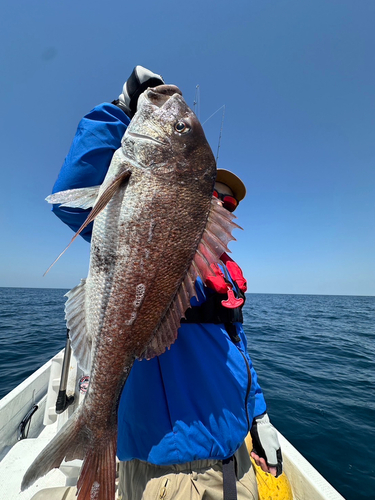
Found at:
(98, 473)
(69, 443)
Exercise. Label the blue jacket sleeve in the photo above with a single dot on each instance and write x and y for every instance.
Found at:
(98, 135)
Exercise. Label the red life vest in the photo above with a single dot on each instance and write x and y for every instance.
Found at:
(221, 283)
(225, 305)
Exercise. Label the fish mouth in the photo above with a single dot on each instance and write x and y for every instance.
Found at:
(145, 137)
(161, 94)
(156, 96)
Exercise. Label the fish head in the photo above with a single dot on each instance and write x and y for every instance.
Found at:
(166, 137)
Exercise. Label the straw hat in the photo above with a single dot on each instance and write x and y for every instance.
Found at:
(232, 181)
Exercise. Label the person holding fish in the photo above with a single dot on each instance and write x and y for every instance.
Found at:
(183, 415)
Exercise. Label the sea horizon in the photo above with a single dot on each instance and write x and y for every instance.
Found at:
(248, 293)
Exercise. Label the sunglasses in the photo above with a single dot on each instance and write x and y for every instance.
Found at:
(229, 202)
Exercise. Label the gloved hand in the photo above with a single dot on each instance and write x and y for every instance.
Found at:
(140, 80)
(266, 444)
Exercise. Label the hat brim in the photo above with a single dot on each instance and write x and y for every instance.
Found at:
(233, 182)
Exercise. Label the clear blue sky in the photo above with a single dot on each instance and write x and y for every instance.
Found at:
(298, 81)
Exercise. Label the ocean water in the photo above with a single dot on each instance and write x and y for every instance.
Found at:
(315, 358)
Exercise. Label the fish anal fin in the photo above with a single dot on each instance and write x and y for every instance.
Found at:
(80, 337)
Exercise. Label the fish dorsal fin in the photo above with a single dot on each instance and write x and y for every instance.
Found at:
(213, 244)
(80, 338)
(75, 198)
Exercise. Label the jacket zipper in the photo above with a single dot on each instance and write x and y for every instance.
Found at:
(248, 388)
(242, 354)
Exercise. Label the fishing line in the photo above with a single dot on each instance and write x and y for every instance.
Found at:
(209, 118)
(196, 108)
(221, 128)
(221, 131)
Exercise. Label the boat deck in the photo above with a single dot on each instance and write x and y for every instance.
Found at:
(16, 462)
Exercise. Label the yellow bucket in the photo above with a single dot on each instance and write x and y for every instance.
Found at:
(269, 486)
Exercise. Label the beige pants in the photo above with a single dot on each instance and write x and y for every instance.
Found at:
(198, 480)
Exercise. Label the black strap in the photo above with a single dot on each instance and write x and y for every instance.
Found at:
(232, 332)
(229, 479)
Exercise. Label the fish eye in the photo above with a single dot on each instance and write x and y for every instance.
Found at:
(181, 127)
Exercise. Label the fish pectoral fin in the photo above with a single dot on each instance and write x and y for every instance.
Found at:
(75, 198)
(213, 244)
(100, 205)
(80, 337)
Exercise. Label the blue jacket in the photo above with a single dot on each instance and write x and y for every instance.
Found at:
(98, 135)
(198, 399)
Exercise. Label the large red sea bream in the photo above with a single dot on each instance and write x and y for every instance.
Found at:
(157, 227)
